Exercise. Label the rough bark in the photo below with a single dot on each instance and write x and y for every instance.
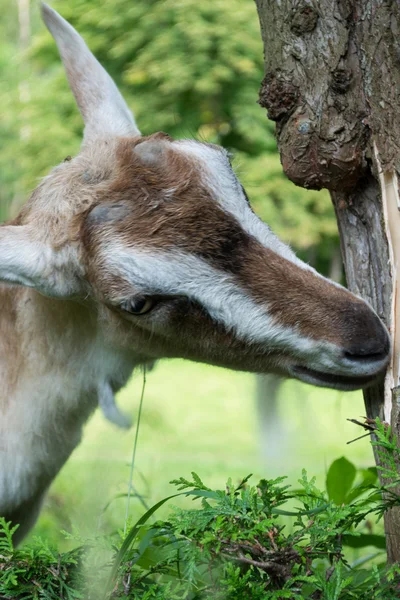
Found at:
(332, 83)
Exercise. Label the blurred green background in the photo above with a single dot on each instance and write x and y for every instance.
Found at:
(192, 69)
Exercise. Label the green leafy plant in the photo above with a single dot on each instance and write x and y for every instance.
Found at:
(265, 541)
(37, 571)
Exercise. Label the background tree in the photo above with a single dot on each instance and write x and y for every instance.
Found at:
(332, 85)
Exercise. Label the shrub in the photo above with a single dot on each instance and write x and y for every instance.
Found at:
(266, 541)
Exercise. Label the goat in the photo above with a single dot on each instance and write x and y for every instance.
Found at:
(141, 248)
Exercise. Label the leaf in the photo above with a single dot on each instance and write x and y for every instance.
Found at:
(243, 483)
(198, 482)
(369, 477)
(132, 535)
(356, 564)
(339, 480)
(300, 513)
(365, 539)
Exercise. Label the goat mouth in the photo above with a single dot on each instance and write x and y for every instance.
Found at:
(332, 380)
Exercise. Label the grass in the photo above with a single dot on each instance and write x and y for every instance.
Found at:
(203, 419)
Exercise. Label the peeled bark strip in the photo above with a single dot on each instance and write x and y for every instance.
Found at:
(332, 85)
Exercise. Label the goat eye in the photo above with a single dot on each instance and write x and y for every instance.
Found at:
(138, 305)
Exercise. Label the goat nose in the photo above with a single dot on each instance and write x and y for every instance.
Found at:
(369, 340)
(370, 350)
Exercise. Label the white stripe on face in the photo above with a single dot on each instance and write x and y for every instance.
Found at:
(219, 177)
(178, 273)
(227, 191)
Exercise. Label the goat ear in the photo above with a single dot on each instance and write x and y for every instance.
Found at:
(30, 263)
(21, 260)
(103, 109)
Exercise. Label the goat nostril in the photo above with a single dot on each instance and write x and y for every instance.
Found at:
(372, 350)
(365, 356)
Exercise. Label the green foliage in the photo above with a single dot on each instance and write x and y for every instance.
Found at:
(386, 448)
(37, 571)
(340, 479)
(266, 541)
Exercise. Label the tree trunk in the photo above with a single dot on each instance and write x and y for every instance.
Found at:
(332, 83)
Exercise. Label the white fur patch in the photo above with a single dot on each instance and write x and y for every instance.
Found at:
(227, 191)
(109, 406)
(28, 262)
(42, 423)
(179, 273)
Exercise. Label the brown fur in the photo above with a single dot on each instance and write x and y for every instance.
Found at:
(164, 205)
(192, 221)
(302, 301)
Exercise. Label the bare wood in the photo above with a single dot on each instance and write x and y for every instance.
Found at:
(332, 84)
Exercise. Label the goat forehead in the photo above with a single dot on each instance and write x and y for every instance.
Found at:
(227, 191)
(215, 169)
(193, 195)
(192, 201)
(163, 205)
(196, 226)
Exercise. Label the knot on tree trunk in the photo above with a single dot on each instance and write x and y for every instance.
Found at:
(341, 80)
(323, 153)
(278, 95)
(319, 149)
(303, 19)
